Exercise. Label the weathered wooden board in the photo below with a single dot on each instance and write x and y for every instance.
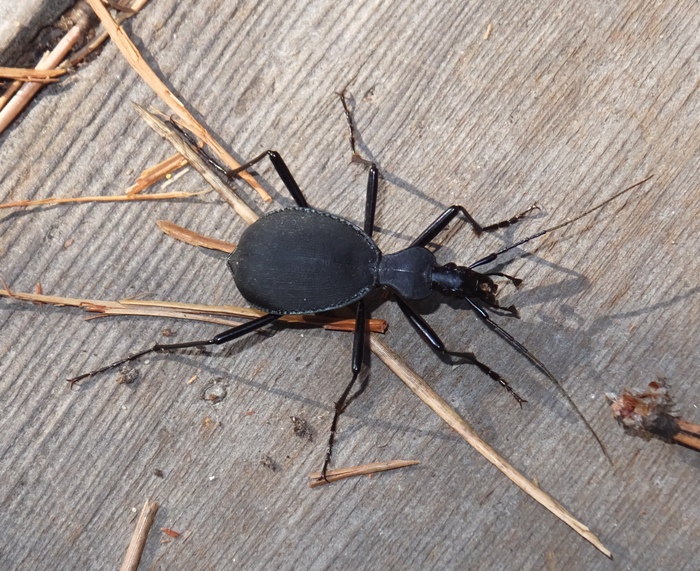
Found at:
(564, 103)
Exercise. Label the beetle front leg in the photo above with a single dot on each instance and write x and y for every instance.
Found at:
(441, 222)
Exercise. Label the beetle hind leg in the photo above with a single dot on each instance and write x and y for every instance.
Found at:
(275, 158)
(358, 351)
(282, 171)
(224, 337)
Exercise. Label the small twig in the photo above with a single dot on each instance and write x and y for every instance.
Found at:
(192, 311)
(138, 63)
(688, 440)
(689, 427)
(15, 86)
(316, 479)
(25, 93)
(112, 198)
(40, 73)
(193, 238)
(38, 290)
(34, 75)
(119, 7)
(138, 539)
(170, 532)
(101, 36)
(173, 137)
(157, 172)
(444, 411)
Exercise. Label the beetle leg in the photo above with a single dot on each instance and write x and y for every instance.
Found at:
(358, 350)
(373, 178)
(441, 222)
(431, 338)
(283, 172)
(358, 346)
(275, 159)
(224, 337)
(356, 157)
(371, 202)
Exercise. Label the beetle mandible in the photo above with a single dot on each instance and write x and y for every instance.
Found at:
(301, 260)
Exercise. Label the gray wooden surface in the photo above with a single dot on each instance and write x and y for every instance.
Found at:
(565, 103)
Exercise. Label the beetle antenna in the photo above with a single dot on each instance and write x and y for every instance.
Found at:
(491, 257)
(540, 365)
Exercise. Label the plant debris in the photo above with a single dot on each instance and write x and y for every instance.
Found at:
(649, 412)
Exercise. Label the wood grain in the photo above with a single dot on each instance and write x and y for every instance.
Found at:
(564, 103)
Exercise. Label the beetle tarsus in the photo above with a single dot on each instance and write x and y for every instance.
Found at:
(339, 408)
(354, 137)
(469, 358)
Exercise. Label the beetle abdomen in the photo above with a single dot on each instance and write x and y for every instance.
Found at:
(301, 260)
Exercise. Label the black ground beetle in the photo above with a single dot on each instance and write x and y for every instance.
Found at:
(301, 260)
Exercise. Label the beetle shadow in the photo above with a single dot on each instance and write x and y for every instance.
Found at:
(362, 420)
(538, 389)
(610, 320)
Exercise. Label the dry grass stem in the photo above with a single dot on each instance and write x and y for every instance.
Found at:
(133, 57)
(688, 440)
(174, 138)
(361, 470)
(25, 93)
(689, 434)
(35, 75)
(157, 172)
(196, 312)
(119, 7)
(102, 35)
(15, 86)
(689, 427)
(444, 411)
(138, 539)
(113, 198)
(49, 67)
(193, 238)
